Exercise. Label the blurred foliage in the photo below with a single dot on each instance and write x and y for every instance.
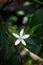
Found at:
(29, 16)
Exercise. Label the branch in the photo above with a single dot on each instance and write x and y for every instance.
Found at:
(8, 2)
(34, 56)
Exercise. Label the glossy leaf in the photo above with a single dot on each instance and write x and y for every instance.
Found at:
(33, 29)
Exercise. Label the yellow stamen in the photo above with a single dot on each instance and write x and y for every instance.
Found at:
(20, 37)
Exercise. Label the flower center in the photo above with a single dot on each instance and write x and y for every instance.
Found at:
(20, 37)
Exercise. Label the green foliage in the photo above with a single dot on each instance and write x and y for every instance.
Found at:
(37, 17)
(33, 29)
(32, 23)
(21, 13)
(27, 3)
(38, 1)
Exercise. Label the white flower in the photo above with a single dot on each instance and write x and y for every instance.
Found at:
(21, 37)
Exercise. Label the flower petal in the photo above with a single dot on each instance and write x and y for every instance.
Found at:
(17, 36)
(23, 42)
(26, 36)
(17, 42)
(21, 32)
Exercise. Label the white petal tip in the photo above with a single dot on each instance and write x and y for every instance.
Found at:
(15, 35)
(23, 42)
(21, 32)
(25, 45)
(26, 36)
(17, 42)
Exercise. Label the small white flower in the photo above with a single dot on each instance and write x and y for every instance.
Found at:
(21, 37)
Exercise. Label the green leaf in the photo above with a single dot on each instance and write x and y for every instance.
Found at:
(13, 18)
(27, 3)
(14, 29)
(32, 45)
(38, 1)
(33, 29)
(21, 13)
(1, 5)
(29, 62)
(4, 43)
(37, 17)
